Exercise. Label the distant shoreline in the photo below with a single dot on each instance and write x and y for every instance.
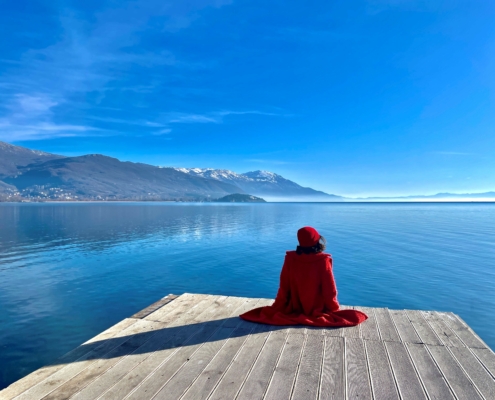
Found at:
(267, 202)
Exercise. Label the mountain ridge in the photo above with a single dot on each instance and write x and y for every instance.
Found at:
(98, 177)
(264, 184)
(13, 157)
(38, 176)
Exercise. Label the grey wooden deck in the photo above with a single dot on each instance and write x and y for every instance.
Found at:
(195, 347)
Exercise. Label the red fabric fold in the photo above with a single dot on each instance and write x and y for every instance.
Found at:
(307, 296)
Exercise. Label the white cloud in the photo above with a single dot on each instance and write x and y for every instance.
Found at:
(30, 117)
(162, 132)
(28, 106)
(194, 119)
(150, 124)
(17, 132)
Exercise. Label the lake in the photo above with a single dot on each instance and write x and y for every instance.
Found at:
(69, 271)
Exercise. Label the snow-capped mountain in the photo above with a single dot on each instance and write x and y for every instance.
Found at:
(223, 175)
(265, 184)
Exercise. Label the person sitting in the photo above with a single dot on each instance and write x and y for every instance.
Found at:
(307, 294)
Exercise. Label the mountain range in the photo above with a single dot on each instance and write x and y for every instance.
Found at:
(262, 183)
(439, 196)
(32, 175)
(37, 176)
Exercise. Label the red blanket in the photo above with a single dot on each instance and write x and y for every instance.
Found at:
(307, 295)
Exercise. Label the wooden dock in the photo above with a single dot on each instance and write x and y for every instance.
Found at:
(195, 347)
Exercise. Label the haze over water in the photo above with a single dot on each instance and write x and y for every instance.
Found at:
(69, 271)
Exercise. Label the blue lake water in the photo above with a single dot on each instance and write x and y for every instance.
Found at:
(69, 271)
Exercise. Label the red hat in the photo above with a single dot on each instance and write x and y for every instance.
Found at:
(308, 236)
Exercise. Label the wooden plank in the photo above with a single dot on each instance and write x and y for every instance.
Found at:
(309, 330)
(265, 302)
(218, 310)
(308, 374)
(386, 326)
(245, 305)
(185, 375)
(424, 331)
(406, 330)
(157, 376)
(41, 374)
(208, 379)
(164, 342)
(213, 372)
(100, 366)
(182, 304)
(104, 374)
(184, 333)
(258, 379)
(154, 382)
(303, 330)
(462, 330)
(382, 378)
(97, 368)
(166, 370)
(73, 369)
(358, 383)
(155, 306)
(233, 379)
(487, 358)
(352, 331)
(459, 383)
(369, 328)
(408, 382)
(186, 313)
(444, 333)
(431, 377)
(282, 382)
(108, 333)
(475, 371)
(336, 331)
(332, 386)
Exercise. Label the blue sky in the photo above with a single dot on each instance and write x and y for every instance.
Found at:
(354, 98)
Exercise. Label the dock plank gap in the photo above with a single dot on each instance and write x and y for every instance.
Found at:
(194, 346)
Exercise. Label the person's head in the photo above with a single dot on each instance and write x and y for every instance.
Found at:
(310, 241)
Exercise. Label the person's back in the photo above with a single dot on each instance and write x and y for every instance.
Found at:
(307, 294)
(311, 283)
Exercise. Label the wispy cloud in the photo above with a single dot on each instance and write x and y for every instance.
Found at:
(89, 58)
(11, 133)
(163, 124)
(193, 119)
(149, 124)
(162, 132)
(30, 117)
(216, 117)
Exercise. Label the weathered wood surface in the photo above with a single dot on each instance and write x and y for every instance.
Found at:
(195, 347)
(155, 306)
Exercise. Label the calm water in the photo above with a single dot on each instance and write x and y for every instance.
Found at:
(69, 271)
